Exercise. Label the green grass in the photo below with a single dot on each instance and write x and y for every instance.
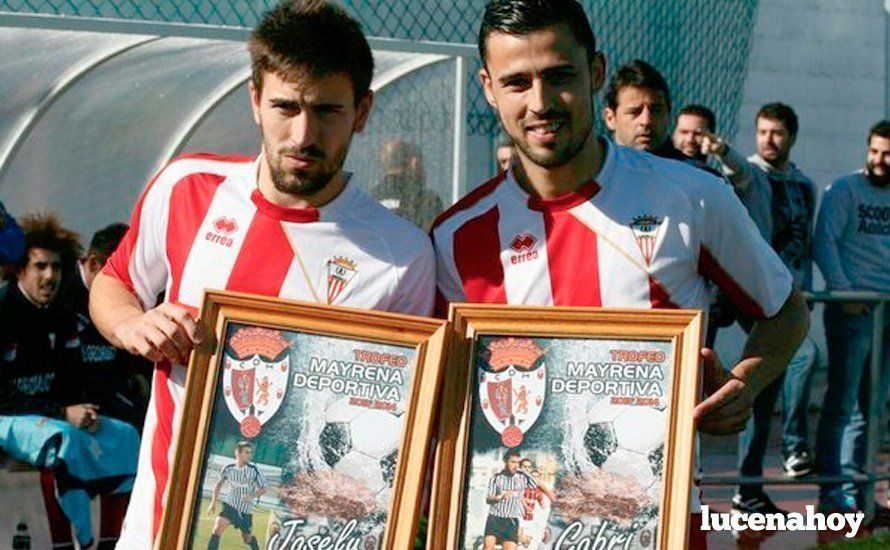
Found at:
(231, 538)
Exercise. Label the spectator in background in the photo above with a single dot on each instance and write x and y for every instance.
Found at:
(693, 123)
(116, 381)
(504, 153)
(638, 104)
(44, 419)
(402, 188)
(638, 107)
(781, 200)
(11, 240)
(852, 249)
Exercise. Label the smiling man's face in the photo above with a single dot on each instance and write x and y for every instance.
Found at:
(541, 85)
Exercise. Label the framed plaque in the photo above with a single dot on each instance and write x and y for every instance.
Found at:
(566, 428)
(305, 426)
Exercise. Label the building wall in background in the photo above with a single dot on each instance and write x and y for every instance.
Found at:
(825, 58)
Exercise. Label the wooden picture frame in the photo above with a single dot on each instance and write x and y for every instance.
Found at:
(402, 359)
(509, 372)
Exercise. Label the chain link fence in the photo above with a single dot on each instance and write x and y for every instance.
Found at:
(701, 46)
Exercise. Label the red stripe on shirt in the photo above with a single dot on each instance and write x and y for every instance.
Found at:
(712, 270)
(189, 203)
(472, 198)
(262, 264)
(118, 265)
(161, 440)
(573, 259)
(659, 297)
(477, 255)
(564, 202)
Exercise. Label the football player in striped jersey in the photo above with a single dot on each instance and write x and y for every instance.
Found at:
(579, 221)
(288, 223)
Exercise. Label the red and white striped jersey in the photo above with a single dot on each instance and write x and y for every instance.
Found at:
(647, 233)
(203, 224)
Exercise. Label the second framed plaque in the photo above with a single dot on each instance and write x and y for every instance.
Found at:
(566, 428)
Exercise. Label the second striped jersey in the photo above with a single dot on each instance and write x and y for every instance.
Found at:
(647, 233)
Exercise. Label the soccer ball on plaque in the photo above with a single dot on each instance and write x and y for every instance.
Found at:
(621, 440)
(362, 443)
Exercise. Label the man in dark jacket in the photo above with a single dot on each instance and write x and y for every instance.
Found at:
(38, 335)
(116, 381)
(43, 394)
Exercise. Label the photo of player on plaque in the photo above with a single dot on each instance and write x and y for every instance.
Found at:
(304, 428)
(569, 428)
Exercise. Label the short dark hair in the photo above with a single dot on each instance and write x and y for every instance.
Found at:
(638, 74)
(105, 241)
(45, 231)
(781, 112)
(880, 129)
(510, 454)
(314, 37)
(520, 17)
(700, 111)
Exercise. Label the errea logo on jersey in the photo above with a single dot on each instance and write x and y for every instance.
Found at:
(525, 247)
(222, 230)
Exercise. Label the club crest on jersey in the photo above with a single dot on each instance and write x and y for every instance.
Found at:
(255, 377)
(645, 228)
(512, 387)
(525, 247)
(222, 230)
(341, 271)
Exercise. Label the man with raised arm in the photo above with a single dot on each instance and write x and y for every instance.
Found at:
(781, 200)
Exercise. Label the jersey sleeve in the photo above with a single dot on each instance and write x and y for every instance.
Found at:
(417, 284)
(493, 487)
(224, 473)
(260, 479)
(734, 255)
(140, 261)
(449, 287)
